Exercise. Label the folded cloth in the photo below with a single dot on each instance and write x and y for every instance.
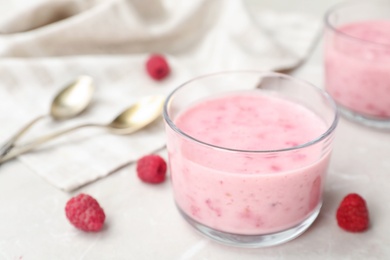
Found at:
(48, 44)
(87, 154)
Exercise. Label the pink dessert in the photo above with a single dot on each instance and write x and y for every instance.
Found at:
(357, 62)
(248, 193)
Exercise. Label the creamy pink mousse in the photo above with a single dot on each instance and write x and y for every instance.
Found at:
(357, 62)
(248, 192)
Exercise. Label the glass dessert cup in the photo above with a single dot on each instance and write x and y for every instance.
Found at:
(357, 60)
(249, 197)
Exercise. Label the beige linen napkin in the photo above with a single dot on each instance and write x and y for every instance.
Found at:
(49, 44)
(87, 154)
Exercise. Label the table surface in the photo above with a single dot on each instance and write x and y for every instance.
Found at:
(143, 223)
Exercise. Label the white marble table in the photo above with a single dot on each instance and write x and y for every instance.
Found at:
(143, 223)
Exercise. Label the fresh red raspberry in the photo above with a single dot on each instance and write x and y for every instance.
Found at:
(352, 214)
(152, 169)
(85, 213)
(157, 67)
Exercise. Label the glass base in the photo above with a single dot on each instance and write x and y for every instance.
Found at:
(253, 241)
(364, 120)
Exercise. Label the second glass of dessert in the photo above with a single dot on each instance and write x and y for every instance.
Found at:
(357, 60)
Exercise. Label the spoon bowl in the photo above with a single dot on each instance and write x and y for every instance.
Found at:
(73, 99)
(68, 103)
(138, 115)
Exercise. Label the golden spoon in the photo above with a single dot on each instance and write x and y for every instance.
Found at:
(68, 103)
(130, 120)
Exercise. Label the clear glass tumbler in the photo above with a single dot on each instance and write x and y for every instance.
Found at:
(357, 60)
(234, 188)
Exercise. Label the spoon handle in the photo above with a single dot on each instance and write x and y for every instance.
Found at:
(10, 143)
(44, 139)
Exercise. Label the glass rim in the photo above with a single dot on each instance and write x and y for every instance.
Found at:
(316, 140)
(347, 3)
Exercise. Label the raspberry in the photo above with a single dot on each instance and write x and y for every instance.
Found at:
(352, 214)
(151, 169)
(85, 213)
(157, 67)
